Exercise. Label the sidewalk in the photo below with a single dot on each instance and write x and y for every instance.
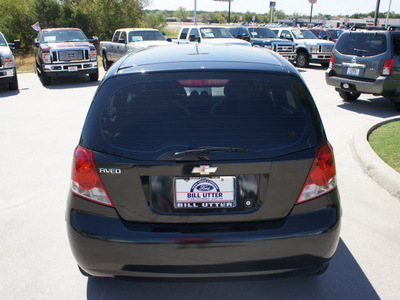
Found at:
(372, 164)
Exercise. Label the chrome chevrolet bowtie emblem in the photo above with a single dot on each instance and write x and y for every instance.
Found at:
(204, 170)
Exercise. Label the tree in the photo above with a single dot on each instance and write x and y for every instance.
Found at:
(181, 14)
(156, 20)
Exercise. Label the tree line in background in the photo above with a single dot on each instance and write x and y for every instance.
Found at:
(101, 17)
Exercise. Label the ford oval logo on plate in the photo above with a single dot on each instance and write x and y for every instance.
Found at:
(205, 187)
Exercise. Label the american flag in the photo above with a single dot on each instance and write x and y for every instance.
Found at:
(36, 26)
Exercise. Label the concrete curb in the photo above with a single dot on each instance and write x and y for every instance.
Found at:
(372, 164)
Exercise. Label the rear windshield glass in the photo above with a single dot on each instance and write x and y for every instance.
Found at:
(214, 33)
(136, 36)
(158, 115)
(362, 44)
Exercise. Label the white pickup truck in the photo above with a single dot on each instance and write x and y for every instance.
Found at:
(128, 40)
(8, 74)
(208, 35)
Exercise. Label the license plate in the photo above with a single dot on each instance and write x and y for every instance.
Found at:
(205, 192)
(72, 69)
(353, 71)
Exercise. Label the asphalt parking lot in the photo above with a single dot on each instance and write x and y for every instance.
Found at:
(40, 127)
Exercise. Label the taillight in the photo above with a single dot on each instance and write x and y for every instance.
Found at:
(85, 180)
(387, 67)
(321, 178)
(331, 62)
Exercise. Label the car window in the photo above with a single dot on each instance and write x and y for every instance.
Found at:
(145, 35)
(61, 36)
(212, 33)
(335, 33)
(159, 114)
(116, 36)
(123, 36)
(396, 44)
(362, 43)
(258, 32)
(2, 41)
(285, 34)
(301, 34)
(184, 32)
(322, 34)
(194, 32)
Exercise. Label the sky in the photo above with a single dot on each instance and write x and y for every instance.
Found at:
(332, 7)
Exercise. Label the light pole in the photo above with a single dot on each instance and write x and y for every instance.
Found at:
(195, 12)
(229, 11)
(388, 12)
(378, 2)
(312, 4)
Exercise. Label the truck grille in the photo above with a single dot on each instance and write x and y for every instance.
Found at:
(283, 48)
(325, 48)
(71, 55)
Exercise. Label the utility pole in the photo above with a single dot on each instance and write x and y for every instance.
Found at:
(195, 12)
(378, 2)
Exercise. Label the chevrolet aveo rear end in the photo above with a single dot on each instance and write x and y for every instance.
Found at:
(203, 161)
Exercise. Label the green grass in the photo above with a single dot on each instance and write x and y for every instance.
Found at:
(385, 141)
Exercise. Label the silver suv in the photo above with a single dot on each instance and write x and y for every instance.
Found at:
(366, 62)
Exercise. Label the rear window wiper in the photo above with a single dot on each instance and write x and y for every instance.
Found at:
(206, 150)
(360, 50)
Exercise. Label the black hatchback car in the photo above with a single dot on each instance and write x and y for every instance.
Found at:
(203, 161)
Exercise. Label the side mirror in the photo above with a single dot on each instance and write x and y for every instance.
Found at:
(36, 43)
(245, 37)
(192, 38)
(16, 44)
(169, 40)
(94, 40)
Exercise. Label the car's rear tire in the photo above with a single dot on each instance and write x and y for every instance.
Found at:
(94, 76)
(302, 60)
(349, 96)
(13, 85)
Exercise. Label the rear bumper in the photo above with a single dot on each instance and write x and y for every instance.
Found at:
(105, 245)
(381, 86)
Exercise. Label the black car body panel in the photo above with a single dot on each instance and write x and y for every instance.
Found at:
(204, 155)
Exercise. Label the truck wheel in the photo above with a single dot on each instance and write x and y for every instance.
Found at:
(349, 96)
(94, 76)
(46, 80)
(106, 62)
(13, 85)
(302, 60)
